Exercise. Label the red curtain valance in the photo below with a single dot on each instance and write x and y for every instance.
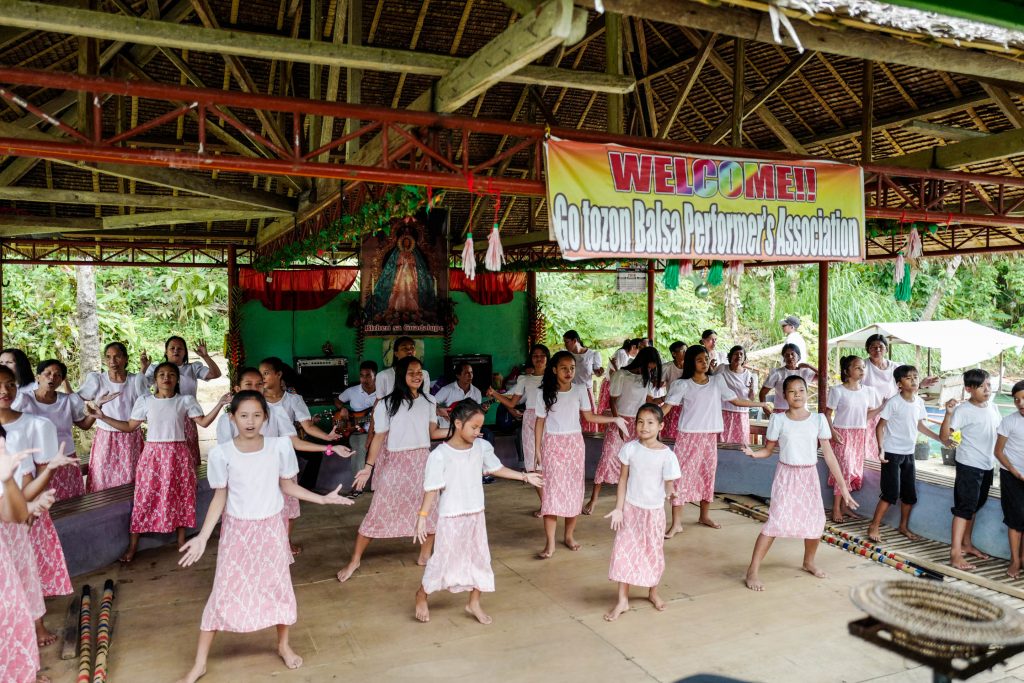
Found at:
(488, 288)
(295, 290)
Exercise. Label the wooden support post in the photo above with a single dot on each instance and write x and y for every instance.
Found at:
(532, 313)
(650, 299)
(867, 127)
(613, 66)
(740, 50)
(1, 299)
(234, 334)
(823, 377)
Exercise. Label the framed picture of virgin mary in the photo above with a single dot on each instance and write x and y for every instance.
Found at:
(404, 278)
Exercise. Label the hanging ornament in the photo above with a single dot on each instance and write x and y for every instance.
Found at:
(685, 268)
(671, 277)
(495, 254)
(914, 248)
(904, 285)
(897, 273)
(469, 258)
(701, 291)
(714, 277)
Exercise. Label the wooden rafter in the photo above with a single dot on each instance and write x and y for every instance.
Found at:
(703, 52)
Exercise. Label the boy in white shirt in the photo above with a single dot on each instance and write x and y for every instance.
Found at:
(1010, 454)
(902, 417)
(360, 398)
(977, 419)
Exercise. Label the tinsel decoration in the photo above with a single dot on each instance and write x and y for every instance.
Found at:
(714, 277)
(914, 247)
(897, 273)
(671, 277)
(903, 279)
(685, 268)
(469, 257)
(495, 255)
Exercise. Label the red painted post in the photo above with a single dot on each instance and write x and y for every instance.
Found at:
(823, 376)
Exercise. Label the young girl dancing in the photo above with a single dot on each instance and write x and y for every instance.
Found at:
(114, 455)
(588, 366)
(797, 510)
(406, 420)
(670, 372)
(736, 420)
(791, 365)
(461, 560)
(700, 396)
(165, 481)
(252, 585)
(648, 469)
(849, 408)
(558, 439)
(1009, 452)
(636, 383)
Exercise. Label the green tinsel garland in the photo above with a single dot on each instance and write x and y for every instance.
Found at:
(715, 274)
(903, 286)
(671, 277)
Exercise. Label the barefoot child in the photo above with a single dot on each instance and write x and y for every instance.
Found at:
(849, 409)
(558, 439)
(977, 419)
(1010, 454)
(796, 509)
(461, 560)
(252, 586)
(899, 423)
(648, 470)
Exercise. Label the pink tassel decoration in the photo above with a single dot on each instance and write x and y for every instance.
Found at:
(495, 254)
(469, 258)
(914, 247)
(685, 268)
(736, 267)
(898, 272)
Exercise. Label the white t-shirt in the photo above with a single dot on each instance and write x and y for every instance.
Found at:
(721, 360)
(450, 394)
(621, 358)
(798, 439)
(795, 337)
(97, 384)
(32, 431)
(292, 407)
(357, 399)
(977, 426)
(410, 428)
(253, 479)
(457, 474)
(63, 413)
(778, 376)
(276, 424)
(670, 373)
(166, 416)
(648, 471)
(851, 407)
(630, 392)
(701, 411)
(386, 382)
(901, 420)
(527, 387)
(881, 379)
(586, 363)
(564, 415)
(188, 381)
(1012, 427)
(740, 383)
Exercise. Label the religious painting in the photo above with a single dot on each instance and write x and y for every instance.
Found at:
(404, 278)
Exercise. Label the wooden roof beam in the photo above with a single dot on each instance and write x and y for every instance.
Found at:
(183, 216)
(703, 52)
(20, 13)
(988, 148)
(1006, 104)
(43, 195)
(941, 132)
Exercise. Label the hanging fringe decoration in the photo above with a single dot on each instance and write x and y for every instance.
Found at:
(685, 268)
(671, 277)
(495, 254)
(469, 258)
(902, 278)
(897, 273)
(735, 268)
(914, 247)
(714, 277)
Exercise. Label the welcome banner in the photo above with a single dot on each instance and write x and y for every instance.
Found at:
(610, 201)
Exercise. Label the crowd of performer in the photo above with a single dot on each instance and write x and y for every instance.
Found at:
(698, 399)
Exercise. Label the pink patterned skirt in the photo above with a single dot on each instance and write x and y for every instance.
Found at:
(870, 441)
(609, 467)
(165, 489)
(796, 508)
(604, 397)
(19, 654)
(529, 439)
(67, 481)
(397, 495)
(697, 454)
(591, 427)
(850, 455)
(252, 586)
(461, 560)
(50, 562)
(192, 440)
(671, 429)
(291, 505)
(113, 459)
(638, 554)
(15, 542)
(564, 463)
(737, 427)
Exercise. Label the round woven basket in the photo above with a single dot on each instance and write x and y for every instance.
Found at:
(937, 621)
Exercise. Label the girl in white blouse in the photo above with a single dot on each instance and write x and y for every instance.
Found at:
(797, 510)
(252, 587)
(461, 560)
(736, 419)
(791, 365)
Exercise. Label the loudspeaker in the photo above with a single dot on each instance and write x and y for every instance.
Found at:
(482, 369)
(321, 378)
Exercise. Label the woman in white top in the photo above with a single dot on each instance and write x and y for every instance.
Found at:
(588, 366)
(252, 586)
(620, 359)
(461, 560)
(406, 420)
(176, 351)
(559, 447)
(791, 365)
(18, 362)
(635, 384)
(736, 419)
(797, 510)
(719, 359)
(848, 409)
(114, 454)
(165, 480)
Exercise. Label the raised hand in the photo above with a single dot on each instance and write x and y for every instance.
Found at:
(952, 403)
(193, 550)
(335, 498)
(104, 399)
(491, 393)
(200, 348)
(616, 517)
(144, 361)
(61, 461)
(9, 461)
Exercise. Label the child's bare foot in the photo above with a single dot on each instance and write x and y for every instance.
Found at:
(707, 521)
(838, 517)
(908, 533)
(753, 581)
(656, 600)
(958, 562)
(813, 570)
(43, 636)
(477, 611)
(291, 660)
(537, 514)
(571, 543)
(127, 558)
(423, 559)
(193, 675)
(346, 573)
(620, 607)
(971, 550)
(673, 530)
(588, 508)
(295, 547)
(853, 515)
(422, 608)
(548, 551)
(874, 534)
(1013, 571)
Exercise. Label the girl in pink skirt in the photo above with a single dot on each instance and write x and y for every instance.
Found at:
(736, 420)
(252, 586)
(635, 384)
(588, 366)
(670, 372)
(700, 396)
(527, 387)
(165, 480)
(558, 439)
(791, 365)
(406, 420)
(648, 470)
(461, 560)
(849, 408)
(64, 411)
(796, 507)
(176, 352)
(114, 454)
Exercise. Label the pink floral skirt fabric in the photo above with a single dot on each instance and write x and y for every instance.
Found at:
(638, 553)
(609, 467)
(19, 654)
(737, 428)
(113, 459)
(50, 562)
(564, 463)
(461, 560)
(796, 509)
(165, 489)
(850, 455)
(397, 495)
(14, 541)
(697, 454)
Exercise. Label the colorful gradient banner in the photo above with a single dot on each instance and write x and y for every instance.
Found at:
(609, 201)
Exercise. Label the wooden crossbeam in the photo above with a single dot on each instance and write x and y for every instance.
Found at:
(988, 148)
(936, 130)
(12, 226)
(703, 52)
(1006, 104)
(179, 217)
(42, 195)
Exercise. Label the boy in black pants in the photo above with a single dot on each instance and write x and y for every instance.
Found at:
(1010, 454)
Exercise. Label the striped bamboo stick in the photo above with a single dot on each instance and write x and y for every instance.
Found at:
(85, 638)
(103, 633)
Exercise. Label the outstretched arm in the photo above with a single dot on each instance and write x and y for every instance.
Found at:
(766, 451)
(290, 488)
(837, 473)
(207, 420)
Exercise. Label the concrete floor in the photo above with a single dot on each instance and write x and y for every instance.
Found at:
(547, 614)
